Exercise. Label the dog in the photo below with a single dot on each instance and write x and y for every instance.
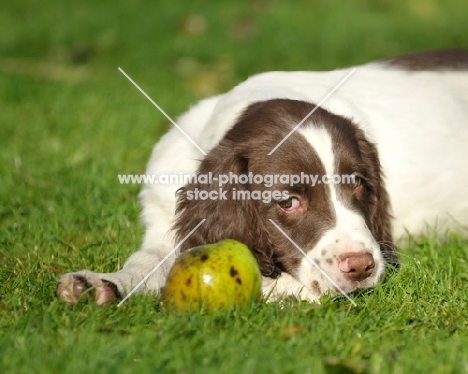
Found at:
(267, 163)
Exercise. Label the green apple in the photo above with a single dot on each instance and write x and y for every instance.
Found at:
(213, 276)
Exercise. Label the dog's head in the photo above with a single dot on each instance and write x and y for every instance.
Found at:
(320, 192)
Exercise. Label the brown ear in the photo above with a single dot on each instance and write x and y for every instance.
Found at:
(379, 201)
(226, 216)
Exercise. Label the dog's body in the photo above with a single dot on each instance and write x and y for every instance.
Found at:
(407, 116)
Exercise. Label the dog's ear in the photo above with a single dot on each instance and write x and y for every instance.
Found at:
(381, 226)
(227, 214)
(378, 199)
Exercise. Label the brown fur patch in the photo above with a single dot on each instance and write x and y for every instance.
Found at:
(433, 60)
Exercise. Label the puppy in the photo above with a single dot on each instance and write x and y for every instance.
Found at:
(331, 165)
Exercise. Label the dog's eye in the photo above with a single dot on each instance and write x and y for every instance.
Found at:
(358, 186)
(290, 204)
(357, 182)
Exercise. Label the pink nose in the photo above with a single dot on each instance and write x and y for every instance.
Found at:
(356, 266)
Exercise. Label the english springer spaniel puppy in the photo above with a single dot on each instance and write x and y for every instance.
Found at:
(397, 128)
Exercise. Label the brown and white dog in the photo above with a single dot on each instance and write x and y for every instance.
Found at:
(398, 127)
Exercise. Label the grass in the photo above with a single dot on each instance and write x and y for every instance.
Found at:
(70, 123)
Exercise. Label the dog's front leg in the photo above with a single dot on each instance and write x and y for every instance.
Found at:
(108, 287)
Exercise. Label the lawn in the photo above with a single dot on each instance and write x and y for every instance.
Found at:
(70, 122)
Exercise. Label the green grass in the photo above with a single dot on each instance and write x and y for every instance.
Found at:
(70, 123)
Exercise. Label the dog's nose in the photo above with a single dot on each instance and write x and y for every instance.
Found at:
(356, 266)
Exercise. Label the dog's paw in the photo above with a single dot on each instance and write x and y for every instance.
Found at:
(85, 285)
(286, 286)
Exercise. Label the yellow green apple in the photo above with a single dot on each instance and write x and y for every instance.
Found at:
(213, 276)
